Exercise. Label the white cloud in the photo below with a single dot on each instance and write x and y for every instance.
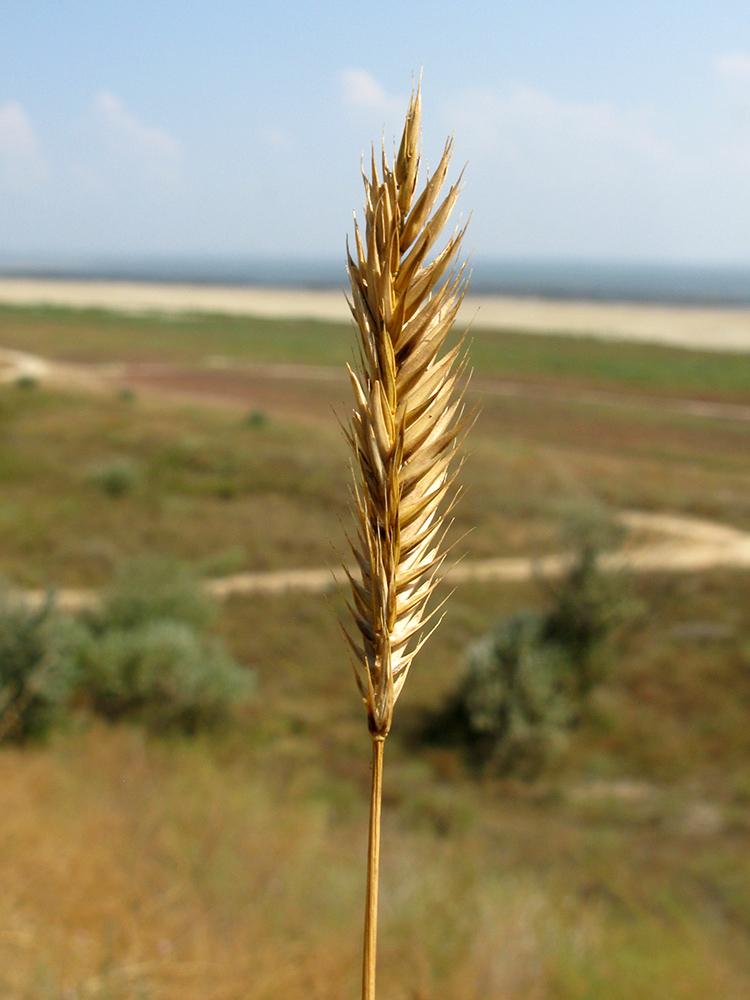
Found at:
(153, 148)
(362, 91)
(21, 162)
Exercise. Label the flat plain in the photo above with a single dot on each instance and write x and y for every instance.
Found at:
(231, 864)
(701, 327)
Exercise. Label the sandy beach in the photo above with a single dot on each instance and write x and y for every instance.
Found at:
(705, 328)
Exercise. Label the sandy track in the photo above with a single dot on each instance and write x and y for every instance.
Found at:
(15, 365)
(685, 545)
(686, 326)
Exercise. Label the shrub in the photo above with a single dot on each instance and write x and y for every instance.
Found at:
(115, 478)
(513, 705)
(143, 655)
(165, 674)
(587, 603)
(39, 652)
(257, 419)
(148, 656)
(525, 684)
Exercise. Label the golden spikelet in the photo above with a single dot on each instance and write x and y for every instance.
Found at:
(407, 415)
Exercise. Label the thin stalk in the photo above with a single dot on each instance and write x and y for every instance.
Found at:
(373, 870)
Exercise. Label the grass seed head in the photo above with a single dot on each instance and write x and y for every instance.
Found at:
(408, 415)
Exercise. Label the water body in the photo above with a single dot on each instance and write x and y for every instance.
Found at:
(678, 284)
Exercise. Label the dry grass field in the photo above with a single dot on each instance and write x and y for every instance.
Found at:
(229, 865)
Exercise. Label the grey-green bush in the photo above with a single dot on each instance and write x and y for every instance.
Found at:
(39, 652)
(515, 694)
(163, 673)
(148, 657)
(525, 684)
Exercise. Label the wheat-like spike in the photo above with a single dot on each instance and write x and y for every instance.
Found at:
(406, 418)
(404, 431)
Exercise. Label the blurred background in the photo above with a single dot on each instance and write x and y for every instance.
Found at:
(184, 762)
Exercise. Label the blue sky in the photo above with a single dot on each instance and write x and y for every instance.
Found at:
(591, 130)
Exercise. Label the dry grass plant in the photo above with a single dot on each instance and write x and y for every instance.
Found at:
(405, 429)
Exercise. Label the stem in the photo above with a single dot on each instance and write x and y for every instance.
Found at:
(373, 869)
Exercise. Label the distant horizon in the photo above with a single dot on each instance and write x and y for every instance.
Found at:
(540, 277)
(54, 257)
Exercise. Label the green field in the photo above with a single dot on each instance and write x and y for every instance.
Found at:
(232, 864)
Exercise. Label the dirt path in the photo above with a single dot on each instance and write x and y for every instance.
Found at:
(681, 545)
(15, 365)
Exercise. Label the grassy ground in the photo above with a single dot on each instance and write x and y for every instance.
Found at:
(90, 480)
(233, 865)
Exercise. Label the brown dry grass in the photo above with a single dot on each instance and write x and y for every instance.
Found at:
(132, 866)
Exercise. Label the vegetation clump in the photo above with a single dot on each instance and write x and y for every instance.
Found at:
(38, 666)
(256, 420)
(525, 684)
(115, 478)
(145, 654)
(149, 657)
